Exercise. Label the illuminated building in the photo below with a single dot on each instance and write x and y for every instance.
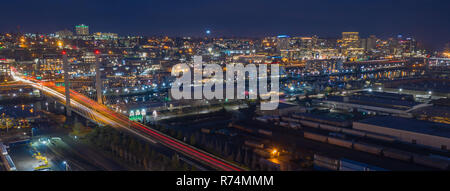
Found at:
(82, 30)
(64, 33)
(5, 71)
(283, 42)
(350, 40)
(105, 36)
(88, 57)
(350, 45)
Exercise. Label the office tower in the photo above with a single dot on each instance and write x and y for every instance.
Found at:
(283, 42)
(350, 40)
(82, 30)
(64, 33)
(371, 43)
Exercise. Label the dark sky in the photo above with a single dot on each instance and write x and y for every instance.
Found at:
(427, 20)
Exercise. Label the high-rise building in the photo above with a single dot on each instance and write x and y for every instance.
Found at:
(5, 71)
(82, 30)
(283, 42)
(64, 33)
(350, 40)
(371, 43)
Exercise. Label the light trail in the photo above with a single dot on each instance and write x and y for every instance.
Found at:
(106, 116)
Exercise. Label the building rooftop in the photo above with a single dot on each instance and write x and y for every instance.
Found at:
(413, 125)
(376, 102)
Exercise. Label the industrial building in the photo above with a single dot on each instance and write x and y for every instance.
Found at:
(424, 133)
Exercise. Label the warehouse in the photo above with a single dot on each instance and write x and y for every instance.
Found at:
(429, 134)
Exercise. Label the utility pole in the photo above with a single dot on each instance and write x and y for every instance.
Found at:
(66, 83)
(98, 81)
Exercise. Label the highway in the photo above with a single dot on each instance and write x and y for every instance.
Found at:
(102, 114)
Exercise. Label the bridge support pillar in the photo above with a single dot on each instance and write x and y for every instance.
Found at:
(66, 84)
(98, 80)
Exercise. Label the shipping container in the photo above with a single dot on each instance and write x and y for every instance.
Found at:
(315, 137)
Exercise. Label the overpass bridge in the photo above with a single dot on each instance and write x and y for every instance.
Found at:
(101, 114)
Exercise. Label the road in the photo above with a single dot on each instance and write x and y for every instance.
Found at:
(102, 114)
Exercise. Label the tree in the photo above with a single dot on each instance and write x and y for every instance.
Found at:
(192, 140)
(175, 161)
(179, 134)
(238, 156)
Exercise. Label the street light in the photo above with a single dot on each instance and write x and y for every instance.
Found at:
(66, 166)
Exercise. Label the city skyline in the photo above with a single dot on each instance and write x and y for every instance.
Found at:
(225, 86)
(425, 22)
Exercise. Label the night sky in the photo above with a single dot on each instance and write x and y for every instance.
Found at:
(427, 20)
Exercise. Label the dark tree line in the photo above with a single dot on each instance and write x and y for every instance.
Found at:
(133, 151)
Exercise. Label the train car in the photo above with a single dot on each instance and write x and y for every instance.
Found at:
(380, 137)
(254, 144)
(3, 150)
(204, 130)
(397, 154)
(326, 162)
(242, 128)
(368, 148)
(288, 119)
(295, 125)
(309, 124)
(10, 164)
(349, 165)
(329, 128)
(315, 137)
(284, 124)
(262, 119)
(340, 142)
(265, 132)
(353, 132)
(431, 162)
